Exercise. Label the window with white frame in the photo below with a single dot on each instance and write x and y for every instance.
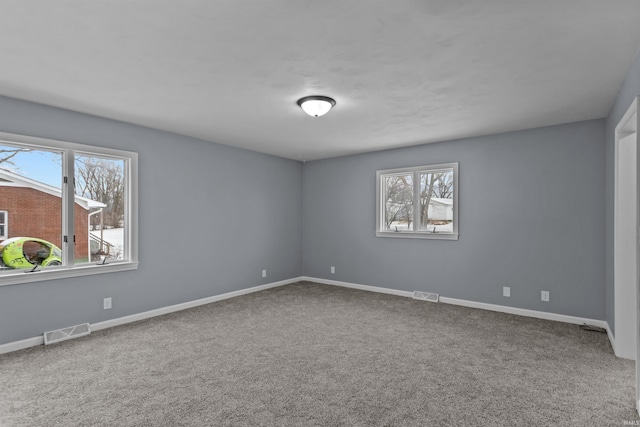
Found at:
(418, 202)
(74, 209)
(4, 226)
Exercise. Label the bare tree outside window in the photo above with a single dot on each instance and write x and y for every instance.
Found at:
(8, 153)
(399, 202)
(433, 186)
(418, 202)
(64, 204)
(103, 180)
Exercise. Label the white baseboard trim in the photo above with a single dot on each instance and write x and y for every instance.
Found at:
(369, 288)
(526, 312)
(186, 305)
(22, 344)
(473, 304)
(35, 341)
(39, 340)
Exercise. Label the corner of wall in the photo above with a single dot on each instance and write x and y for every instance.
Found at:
(629, 90)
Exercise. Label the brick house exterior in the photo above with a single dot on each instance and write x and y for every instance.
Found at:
(33, 211)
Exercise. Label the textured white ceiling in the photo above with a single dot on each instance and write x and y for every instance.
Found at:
(402, 72)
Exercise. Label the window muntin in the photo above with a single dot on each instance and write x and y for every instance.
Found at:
(418, 202)
(69, 206)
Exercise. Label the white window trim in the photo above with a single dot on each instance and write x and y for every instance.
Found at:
(416, 234)
(131, 221)
(6, 225)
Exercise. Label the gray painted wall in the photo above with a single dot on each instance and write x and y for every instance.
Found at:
(531, 217)
(222, 213)
(629, 90)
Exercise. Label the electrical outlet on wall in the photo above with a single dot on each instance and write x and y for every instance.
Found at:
(333, 269)
(264, 273)
(506, 291)
(544, 295)
(106, 303)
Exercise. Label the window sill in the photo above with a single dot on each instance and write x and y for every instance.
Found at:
(22, 276)
(414, 235)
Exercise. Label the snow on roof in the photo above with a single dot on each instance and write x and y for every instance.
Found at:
(443, 201)
(10, 179)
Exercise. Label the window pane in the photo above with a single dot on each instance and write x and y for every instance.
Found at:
(31, 198)
(436, 201)
(100, 208)
(398, 207)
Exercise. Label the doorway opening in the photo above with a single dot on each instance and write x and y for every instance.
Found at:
(626, 232)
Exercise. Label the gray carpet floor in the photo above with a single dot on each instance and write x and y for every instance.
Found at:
(318, 355)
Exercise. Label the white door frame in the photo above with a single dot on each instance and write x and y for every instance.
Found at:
(627, 239)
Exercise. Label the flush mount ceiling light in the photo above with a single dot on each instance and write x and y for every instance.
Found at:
(316, 106)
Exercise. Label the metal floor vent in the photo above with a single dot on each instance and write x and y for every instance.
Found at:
(426, 296)
(64, 334)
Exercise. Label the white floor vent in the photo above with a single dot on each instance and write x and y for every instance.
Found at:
(426, 296)
(64, 334)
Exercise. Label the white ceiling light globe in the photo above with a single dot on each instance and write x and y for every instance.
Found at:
(316, 106)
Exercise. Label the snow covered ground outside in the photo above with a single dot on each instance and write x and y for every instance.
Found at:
(444, 228)
(114, 236)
